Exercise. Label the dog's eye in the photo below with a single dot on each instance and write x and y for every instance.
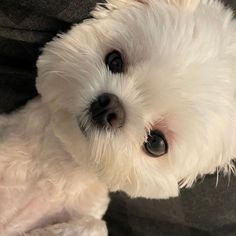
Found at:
(114, 62)
(156, 144)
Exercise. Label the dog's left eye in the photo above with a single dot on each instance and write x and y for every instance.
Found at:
(114, 62)
(156, 144)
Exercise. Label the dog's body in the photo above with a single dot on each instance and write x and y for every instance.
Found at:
(140, 69)
(40, 183)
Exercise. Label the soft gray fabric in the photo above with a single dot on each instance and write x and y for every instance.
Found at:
(25, 26)
(206, 209)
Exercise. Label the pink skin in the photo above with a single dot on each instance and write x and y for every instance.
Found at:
(164, 128)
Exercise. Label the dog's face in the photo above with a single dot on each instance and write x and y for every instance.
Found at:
(151, 87)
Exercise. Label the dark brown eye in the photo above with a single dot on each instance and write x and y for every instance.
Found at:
(114, 62)
(156, 144)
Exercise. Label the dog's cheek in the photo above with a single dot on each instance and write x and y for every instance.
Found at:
(54, 92)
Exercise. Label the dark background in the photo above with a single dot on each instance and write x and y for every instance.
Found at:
(25, 26)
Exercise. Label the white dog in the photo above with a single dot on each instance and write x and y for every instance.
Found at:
(141, 98)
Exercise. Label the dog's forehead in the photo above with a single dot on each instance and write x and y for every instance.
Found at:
(159, 28)
(145, 18)
(148, 26)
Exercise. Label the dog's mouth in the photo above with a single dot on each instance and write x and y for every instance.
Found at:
(156, 145)
(82, 128)
(88, 126)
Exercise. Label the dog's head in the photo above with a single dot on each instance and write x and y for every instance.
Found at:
(150, 88)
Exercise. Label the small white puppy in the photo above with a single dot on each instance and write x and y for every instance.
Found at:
(141, 98)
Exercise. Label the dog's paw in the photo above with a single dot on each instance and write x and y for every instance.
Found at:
(91, 227)
(86, 226)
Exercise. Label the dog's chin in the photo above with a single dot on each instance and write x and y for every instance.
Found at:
(90, 129)
(88, 132)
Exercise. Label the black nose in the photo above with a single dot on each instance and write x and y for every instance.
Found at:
(107, 111)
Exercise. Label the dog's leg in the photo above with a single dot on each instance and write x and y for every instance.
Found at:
(86, 226)
(85, 212)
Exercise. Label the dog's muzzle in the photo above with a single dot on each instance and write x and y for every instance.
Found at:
(107, 112)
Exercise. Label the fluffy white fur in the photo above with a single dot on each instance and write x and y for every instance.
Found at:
(180, 77)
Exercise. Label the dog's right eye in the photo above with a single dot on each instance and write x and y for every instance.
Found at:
(156, 145)
(114, 62)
